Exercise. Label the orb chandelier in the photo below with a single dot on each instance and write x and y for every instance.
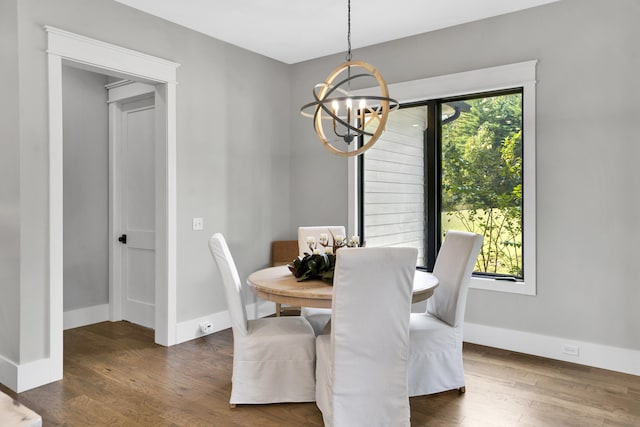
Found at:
(350, 116)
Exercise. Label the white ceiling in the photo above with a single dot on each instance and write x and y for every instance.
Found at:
(297, 30)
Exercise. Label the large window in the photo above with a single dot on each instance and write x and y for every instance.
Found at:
(480, 142)
(457, 162)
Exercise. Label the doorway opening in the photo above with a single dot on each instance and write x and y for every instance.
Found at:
(65, 48)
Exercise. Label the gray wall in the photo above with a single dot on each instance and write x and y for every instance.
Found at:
(587, 152)
(9, 185)
(232, 153)
(86, 184)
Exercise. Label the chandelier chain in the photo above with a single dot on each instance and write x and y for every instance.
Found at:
(349, 30)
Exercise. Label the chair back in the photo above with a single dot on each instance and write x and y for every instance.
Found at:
(305, 232)
(370, 334)
(283, 252)
(231, 281)
(453, 268)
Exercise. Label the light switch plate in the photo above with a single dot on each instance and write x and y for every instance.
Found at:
(198, 224)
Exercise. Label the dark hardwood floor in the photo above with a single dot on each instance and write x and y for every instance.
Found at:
(114, 375)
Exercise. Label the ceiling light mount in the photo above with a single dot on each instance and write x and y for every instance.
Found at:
(352, 116)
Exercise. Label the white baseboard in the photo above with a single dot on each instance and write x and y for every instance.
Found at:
(8, 373)
(185, 331)
(590, 354)
(85, 316)
(24, 377)
(190, 329)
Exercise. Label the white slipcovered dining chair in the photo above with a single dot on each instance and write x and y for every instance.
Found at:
(361, 368)
(435, 346)
(273, 358)
(317, 317)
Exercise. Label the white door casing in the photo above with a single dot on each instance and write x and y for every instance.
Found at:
(94, 55)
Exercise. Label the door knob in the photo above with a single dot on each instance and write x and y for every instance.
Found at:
(123, 239)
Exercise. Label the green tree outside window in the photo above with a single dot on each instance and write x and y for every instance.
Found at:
(482, 179)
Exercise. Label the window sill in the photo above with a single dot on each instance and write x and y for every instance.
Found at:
(490, 284)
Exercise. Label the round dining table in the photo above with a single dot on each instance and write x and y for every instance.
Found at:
(277, 284)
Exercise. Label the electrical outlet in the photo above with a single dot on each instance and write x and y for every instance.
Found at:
(206, 327)
(198, 224)
(571, 350)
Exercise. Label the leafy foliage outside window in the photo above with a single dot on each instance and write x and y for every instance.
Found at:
(482, 179)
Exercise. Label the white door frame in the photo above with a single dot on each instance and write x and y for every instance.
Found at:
(105, 58)
(118, 92)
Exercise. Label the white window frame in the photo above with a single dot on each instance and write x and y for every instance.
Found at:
(521, 74)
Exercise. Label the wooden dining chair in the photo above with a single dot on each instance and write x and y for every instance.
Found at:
(283, 252)
(435, 346)
(361, 368)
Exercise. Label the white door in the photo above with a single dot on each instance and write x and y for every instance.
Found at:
(135, 154)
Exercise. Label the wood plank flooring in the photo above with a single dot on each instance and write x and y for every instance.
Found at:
(114, 375)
